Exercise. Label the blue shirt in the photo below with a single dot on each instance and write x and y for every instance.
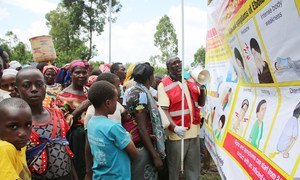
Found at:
(107, 140)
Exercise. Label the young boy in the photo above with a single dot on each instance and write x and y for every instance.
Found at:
(15, 128)
(48, 154)
(108, 140)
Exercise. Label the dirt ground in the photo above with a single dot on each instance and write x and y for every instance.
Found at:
(210, 174)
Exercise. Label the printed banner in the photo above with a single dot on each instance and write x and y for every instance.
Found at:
(252, 116)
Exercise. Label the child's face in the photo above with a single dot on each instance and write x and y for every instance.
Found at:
(15, 126)
(8, 84)
(32, 87)
(112, 103)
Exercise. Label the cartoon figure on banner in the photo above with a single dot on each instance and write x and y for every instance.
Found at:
(258, 127)
(289, 135)
(212, 116)
(226, 99)
(217, 132)
(263, 71)
(232, 75)
(241, 66)
(239, 118)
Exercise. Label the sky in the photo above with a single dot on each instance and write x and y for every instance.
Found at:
(132, 33)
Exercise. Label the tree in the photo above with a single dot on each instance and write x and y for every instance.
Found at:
(199, 57)
(165, 38)
(67, 42)
(89, 16)
(16, 49)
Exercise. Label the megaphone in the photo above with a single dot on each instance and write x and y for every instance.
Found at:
(201, 76)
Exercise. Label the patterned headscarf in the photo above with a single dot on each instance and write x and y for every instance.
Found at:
(91, 80)
(56, 69)
(104, 68)
(80, 63)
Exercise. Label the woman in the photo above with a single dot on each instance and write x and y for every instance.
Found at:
(70, 101)
(145, 125)
(52, 89)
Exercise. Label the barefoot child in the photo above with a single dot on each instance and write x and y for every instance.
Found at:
(48, 154)
(15, 128)
(109, 142)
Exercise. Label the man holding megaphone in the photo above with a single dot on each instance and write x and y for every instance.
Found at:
(170, 100)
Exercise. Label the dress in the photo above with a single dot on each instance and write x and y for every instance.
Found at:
(68, 102)
(51, 93)
(13, 162)
(139, 99)
(107, 140)
(256, 134)
(59, 161)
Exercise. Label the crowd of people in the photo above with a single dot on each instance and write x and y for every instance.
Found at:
(81, 122)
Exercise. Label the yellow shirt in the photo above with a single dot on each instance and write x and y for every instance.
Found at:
(164, 101)
(13, 162)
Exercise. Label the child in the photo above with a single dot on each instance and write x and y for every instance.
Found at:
(15, 128)
(108, 140)
(48, 154)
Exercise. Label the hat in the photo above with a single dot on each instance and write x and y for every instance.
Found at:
(7, 72)
(14, 65)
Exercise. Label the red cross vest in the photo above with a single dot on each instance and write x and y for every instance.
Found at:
(174, 91)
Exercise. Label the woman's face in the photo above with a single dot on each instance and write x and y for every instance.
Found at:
(79, 76)
(50, 75)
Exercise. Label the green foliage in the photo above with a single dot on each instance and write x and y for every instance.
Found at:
(16, 49)
(160, 71)
(199, 57)
(154, 60)
(89, 16)
(165, 39)
(67, 42)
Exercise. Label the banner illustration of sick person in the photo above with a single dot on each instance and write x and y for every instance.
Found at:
(279, 23)
(239, 61)
(261, 117)
(284, 141)
(240, 117)
(254, 55)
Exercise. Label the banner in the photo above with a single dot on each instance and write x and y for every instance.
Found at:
(252, 117)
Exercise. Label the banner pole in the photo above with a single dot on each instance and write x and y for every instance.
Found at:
(182, 82)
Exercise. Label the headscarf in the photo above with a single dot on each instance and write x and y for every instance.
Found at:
(129, 73)
(7, 72)
(56, 69)
(78, 63)
(104, 68)
(91, 80)
(14, 65)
